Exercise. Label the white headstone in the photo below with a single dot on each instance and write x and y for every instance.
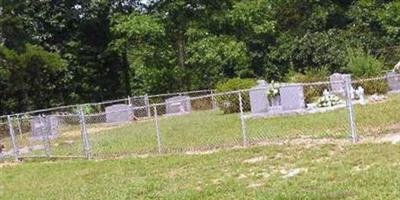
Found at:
(360, 94)
(352, 92)
(326, 93)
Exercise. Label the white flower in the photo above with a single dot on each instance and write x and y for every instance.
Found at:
(77, 7)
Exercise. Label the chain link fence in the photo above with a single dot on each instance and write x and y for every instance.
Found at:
(377, 115)
(340, 109)
(300, 112)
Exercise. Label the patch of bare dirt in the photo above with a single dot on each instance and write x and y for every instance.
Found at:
(389, 138)
(201, 152)
(93, 130)
(9, 164)
(255, 160)
(292, 172)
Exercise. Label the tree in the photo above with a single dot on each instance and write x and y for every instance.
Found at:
(33, 78)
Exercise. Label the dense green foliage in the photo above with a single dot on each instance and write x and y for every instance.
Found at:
(78, 51)
(230, 103)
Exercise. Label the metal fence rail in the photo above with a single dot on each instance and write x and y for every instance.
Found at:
(287, 113)
(157, 98)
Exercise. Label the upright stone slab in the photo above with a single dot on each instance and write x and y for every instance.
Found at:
(259, 98)
(44, 125)
(393, 80)
(119, 113)
(338, 84)
(178, 105)
(292, 97)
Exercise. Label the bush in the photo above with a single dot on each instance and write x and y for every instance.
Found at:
(310, 75)
(374, 87)
(363, 65)
(202, 104)
(313, 92)
(230, 103)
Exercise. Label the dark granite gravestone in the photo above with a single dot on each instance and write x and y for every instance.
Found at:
(292, 97)
(178, 105)
(393, 80)
(119, 113)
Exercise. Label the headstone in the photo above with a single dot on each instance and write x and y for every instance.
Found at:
(393, 80)
(326, 93)
(338, 83)
(119, 113)
(178, 105)
(352, 93)
(42, 126)
(292, 97)
(360, 94)
(259, 98)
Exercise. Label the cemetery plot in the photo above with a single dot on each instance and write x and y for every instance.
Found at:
(266, 114)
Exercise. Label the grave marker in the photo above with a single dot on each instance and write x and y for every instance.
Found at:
(119, 113)
(44, 125)
(259, 98)
(178, 105)
(393, 80)
(292, 97)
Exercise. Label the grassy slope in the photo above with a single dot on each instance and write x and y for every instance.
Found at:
(332, 172)
(207, 129)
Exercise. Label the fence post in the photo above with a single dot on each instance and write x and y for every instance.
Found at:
(213, 102)
(350, 107)
(45, 136)
(12, 135)
(147, 104)
(129, 101)
(242, 120)
(19, 127)
(157, 129)
(85, 137)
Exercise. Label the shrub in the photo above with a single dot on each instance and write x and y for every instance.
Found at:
(374, 87)
(310, 75)
(230, 103)
(312, 92)
(363, 65)
(202, 104)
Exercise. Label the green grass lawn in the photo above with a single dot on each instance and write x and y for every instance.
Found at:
(203, 130)
(364, 171)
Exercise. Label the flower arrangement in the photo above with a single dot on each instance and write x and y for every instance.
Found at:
(328, 100)
(273, 90)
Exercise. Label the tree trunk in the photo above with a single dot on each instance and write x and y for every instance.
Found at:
(181, 49)
(126, 73)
